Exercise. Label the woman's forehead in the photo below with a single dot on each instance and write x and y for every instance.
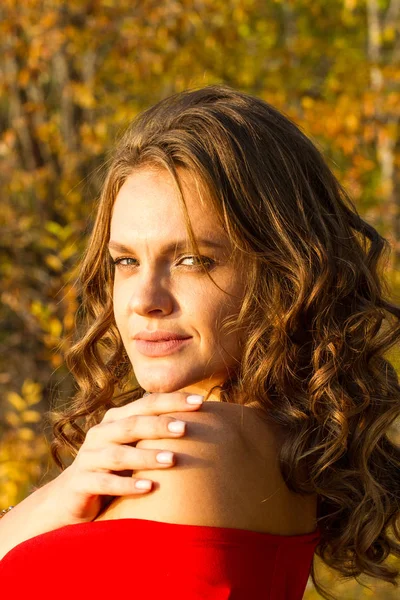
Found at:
(148, 207)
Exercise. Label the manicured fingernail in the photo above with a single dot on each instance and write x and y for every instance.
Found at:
(143, 484)
(176, 426)
(195, 399)
(164, 457)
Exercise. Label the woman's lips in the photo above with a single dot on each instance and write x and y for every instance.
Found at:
(160, 348)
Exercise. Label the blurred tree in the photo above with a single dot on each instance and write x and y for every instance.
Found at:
(73, 73)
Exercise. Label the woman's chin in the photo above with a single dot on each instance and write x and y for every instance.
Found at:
(166, 385)
(201, 388)
(166, 381)
(159, 381)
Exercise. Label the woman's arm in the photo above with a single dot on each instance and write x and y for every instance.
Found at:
(77, 494)
(28, 518)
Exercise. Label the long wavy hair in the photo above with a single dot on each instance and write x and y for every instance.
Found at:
(317, 313)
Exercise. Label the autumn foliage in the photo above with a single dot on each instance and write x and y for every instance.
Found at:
(73, 74)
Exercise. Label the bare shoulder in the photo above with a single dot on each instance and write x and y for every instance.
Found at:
(226, 475)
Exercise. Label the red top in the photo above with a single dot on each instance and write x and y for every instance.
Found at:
(142, 559)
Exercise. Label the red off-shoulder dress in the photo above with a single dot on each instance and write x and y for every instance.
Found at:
(152, 560)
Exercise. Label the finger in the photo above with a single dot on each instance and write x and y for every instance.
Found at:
(125, 458)
(153, 404)
(108, 484)
(134, 428)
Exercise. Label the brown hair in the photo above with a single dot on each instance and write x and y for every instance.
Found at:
(316, 311)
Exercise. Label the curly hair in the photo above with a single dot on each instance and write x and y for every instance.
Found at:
(317, 312)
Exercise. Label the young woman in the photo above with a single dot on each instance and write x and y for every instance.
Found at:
(226, 261)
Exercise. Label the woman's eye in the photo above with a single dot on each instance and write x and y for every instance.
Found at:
(205, 259)
(118, 262)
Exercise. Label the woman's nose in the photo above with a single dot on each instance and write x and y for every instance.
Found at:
(150, 293)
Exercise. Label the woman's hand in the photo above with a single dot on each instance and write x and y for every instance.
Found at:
(77, 495)
(78, 492)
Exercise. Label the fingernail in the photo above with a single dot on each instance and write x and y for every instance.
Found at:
(195, 399)
(164, 457)
(176, 426)
(143, 484)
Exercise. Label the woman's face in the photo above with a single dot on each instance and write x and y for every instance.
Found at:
(159, 285)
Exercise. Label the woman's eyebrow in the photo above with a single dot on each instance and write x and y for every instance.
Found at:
(172, 246)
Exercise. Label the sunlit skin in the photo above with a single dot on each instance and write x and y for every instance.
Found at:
(159, 290)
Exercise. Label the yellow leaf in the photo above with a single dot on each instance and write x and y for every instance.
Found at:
(352, 122)
(307, 102)
(31, 416)
(389, 34)
(54, 262)
(83, 95)
(49, 242)
(37, 309)
(54, 228)
(67, 252)
(49, 19)
(31, 392)
(16, 401)
(24, 77)
(12, 419)
(55, 327)
(56, 360)
(26, 434)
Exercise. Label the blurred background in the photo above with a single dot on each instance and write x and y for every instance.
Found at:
(73, 74)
